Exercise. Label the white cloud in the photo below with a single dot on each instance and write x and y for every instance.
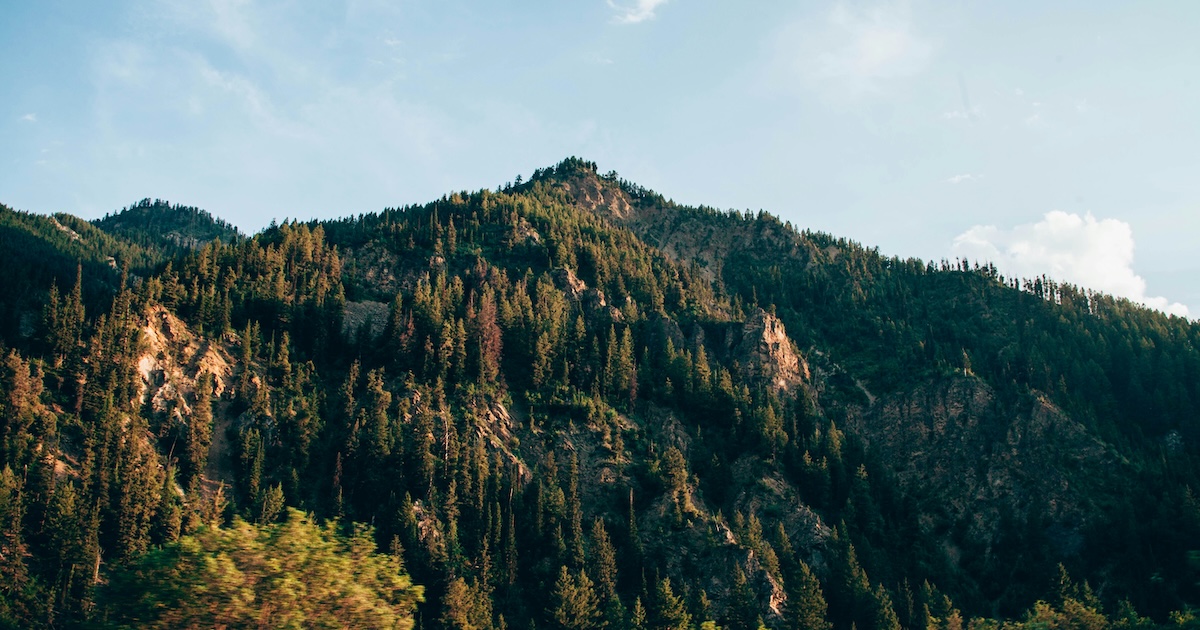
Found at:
(858, 49)
(639, 11)
(29, 118)
(958, 114)
(1082, 250)
(965, 177)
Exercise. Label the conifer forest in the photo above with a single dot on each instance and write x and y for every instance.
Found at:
(570, 402)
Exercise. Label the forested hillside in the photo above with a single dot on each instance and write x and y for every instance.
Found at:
(573, 403)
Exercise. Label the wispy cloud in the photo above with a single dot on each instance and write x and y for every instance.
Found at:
(29, 118)
(959, 114)
(1083, 250)
(639, 11)
(857, 49)
(965, 177)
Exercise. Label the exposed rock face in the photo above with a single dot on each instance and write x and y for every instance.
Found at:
(594, 304)
(187, 241)
(704, 546)
(661, 329)
(567, 282)
(523, 233)
(383, 270)
(980, 464)
(496, 426)
(174, 360)
(596, 195)
(764, 351)
(72, 233)
(684, 234)
(172, 363)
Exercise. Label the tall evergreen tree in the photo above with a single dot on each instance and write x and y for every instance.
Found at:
(576, 606)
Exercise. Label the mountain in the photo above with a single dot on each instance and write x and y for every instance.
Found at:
(38, 252)
(574, 403)
(161, 224)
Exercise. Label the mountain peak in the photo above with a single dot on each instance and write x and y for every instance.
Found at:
(159, 222)
(598, 194)
(605, 194)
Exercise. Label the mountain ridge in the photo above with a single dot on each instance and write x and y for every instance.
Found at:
(509, 383)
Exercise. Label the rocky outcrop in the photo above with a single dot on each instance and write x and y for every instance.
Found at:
(765, 352)
(660, 329)
(599, 196)
(523, 233)
(173, 360)
(496, 426)
(376, 267)
(592, 300)
(567, 282)
(699, 545)
(703, 236)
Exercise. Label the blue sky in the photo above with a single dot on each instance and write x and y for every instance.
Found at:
(1059, 139)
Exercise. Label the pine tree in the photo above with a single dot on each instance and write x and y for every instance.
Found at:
(743, 609)
(488, 337)
(576, 606)
(199, 436)
(376, 425)
(575, 512)
(18, 593)
(271, 504)
(465, 607)
(637, 617)
(884, 614)
(806, 603)
(670, 613)
(604, 562)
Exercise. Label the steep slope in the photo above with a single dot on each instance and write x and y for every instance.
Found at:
(575, 400)
(1057, 414)
(39, 251)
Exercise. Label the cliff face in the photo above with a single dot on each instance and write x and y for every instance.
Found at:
(170, 367)
(174, 359)
(691, 537)
(765, 352)
(978, 464)
(760, 346)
